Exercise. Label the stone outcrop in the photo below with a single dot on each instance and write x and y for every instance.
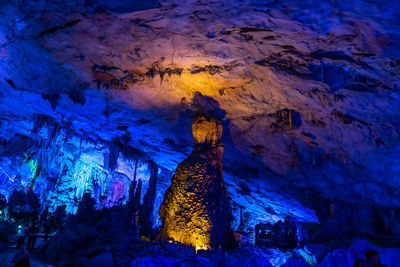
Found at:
(195, 209)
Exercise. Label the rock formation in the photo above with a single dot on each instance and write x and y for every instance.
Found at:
(195, 209)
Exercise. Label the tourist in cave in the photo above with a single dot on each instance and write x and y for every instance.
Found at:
(21, 234)
(21, 257)
(43, 216)
(26, 212)
(359, 263)
(34, 206)
(32, 235)
(3, 205)
(47, 226)
(59, 217)
(12, 202)
(373, 259)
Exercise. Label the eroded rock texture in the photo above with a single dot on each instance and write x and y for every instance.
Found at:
(309, 89)
(195, 209)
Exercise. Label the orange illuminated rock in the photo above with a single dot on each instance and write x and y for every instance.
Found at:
(195, 209)
(206, 129)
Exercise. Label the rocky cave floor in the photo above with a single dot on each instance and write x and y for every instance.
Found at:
(104, 238)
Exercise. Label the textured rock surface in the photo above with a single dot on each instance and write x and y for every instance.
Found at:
(206, 130)
(308, 92)
(195, 210)
(255, 62)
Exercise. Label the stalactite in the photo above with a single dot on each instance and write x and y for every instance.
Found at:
(131, 204)
(131, 153)
(41, 120)
(138, 194)
(146, 209)
(134, 175)
(112, 156)
(136, 206)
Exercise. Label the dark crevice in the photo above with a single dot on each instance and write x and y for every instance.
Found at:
(214, 69)
(250, 29)
(11, 83)
(60, 27)
(337, 55)
(110, 77)
(347, 119)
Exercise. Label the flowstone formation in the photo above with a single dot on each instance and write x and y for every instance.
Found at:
(195, 210)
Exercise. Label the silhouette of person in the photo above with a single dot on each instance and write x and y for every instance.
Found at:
(373, 259)
(359, 263)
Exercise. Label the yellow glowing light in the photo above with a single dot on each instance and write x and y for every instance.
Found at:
(205, 83)
(201, 247)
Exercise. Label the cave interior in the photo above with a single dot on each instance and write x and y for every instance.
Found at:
(199, 133)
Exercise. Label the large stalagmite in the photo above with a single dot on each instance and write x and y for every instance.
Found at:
(195, 209)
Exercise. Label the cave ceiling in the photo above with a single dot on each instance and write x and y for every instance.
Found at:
(307, 101)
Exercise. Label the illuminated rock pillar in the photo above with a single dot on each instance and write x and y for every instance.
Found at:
(195, 210)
